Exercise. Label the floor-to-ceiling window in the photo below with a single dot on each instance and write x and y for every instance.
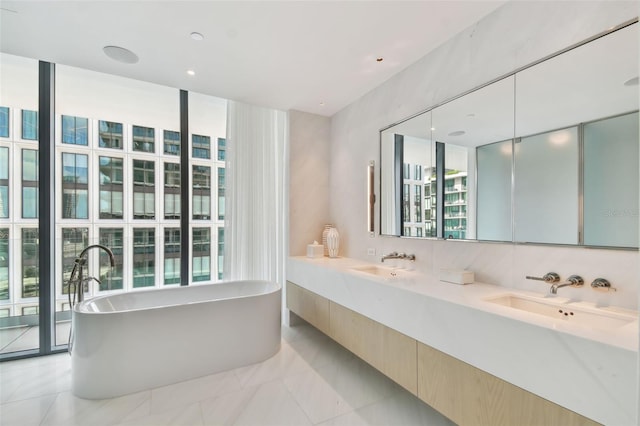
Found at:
(207, 124)
(119, 182)
(19, 176)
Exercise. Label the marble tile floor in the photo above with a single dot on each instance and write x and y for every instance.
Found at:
(310, 381)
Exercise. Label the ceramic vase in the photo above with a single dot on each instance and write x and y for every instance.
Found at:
(333, 242)
(324, 238)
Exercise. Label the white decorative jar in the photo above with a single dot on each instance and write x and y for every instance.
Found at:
(324, 238)
(333, 242)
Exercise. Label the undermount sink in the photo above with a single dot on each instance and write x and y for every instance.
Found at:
(380, 271)
(567, 312)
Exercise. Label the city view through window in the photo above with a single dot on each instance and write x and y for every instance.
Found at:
(118, 183)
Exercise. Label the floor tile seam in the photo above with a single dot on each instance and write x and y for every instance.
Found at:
(10, 398)
(46, 414)
(357, 410)
(339, 396)
(100, 404)
(144, 401)
(197, 401)
(238, 412)
(301, 408)
(217, 395)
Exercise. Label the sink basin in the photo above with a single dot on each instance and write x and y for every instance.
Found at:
(380, 271)
(586, 316)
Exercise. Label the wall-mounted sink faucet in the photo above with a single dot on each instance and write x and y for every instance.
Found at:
(396, 255)
(602, 284)
(549, 277)
(553, 279)
(573, 281)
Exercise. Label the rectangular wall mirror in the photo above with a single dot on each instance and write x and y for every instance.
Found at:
(546, 155)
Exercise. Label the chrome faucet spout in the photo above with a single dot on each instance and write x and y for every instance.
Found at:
(77, 280)
(392, 255)
(396, 255)
(83, 253)
(572, 281)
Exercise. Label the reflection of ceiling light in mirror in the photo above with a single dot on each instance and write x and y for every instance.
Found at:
(631, 82)
(120, 54)
(191, 72)
(506, 149)
(560, 137)
(433, 128)
(457, 133)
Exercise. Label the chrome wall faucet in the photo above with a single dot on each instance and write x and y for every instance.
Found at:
(573, 281)
(396, 255)
(549, 277)
(553, 279)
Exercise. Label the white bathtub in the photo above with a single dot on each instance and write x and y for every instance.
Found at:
(134, 341)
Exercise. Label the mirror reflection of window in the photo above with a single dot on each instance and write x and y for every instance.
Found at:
(455, 192)
(417, 151)
(530, 135)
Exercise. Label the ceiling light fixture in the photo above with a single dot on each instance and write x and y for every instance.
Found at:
(457, 133)
(191, 72)
(196, 36)
(120, 54)
(631, 82)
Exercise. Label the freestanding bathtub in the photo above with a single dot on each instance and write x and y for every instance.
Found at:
(134, 341)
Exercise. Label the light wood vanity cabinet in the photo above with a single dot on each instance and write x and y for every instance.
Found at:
(309, 306)
(389, 351)
(359, 334)
(470, 396)
(461, 392)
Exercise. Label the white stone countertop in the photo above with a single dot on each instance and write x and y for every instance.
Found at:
(589, 369)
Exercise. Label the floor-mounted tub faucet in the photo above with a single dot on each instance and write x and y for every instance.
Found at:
(77, 278)
(76, 282)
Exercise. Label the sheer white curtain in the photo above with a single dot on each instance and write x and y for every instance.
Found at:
(256, 213)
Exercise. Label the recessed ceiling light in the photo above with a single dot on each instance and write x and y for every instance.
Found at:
(457, 133)
(120, 54)
(191, 72)
(631, 82)
(197, 36)
(471, 114)
(433, 128)
(379, 59)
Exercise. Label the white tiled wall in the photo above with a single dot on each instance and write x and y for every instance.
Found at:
(308, 179)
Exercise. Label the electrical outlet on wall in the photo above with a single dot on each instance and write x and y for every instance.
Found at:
(371, 252)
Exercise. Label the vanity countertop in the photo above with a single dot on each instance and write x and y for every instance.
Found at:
(590, 370)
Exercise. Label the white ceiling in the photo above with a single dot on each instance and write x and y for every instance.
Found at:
(280, 54)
